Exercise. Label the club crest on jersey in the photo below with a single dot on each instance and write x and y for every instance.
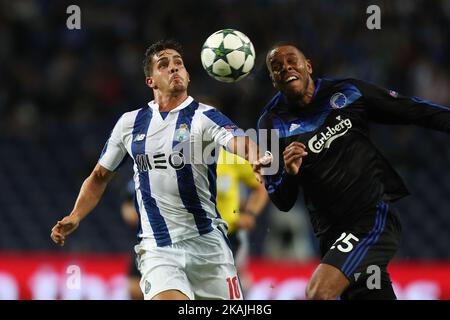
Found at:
(147, 287)
(338, 100)
(393, 94)
(182, 133)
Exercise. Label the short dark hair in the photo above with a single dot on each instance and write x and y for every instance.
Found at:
(157, 47)
(283, 44)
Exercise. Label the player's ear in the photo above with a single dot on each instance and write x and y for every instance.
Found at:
(150, 83)
(309, 68)
(273, 81)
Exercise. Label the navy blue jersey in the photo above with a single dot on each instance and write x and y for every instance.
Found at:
(344, 176)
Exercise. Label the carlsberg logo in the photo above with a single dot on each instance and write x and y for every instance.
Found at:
(324, 139)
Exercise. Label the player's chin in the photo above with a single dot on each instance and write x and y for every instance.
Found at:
(179, 86)
(292, 89)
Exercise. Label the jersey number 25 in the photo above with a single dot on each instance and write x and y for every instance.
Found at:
(345, 239)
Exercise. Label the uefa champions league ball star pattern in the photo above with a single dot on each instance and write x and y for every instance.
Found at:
(228, 55)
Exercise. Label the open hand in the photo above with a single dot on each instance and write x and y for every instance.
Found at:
(63, 228)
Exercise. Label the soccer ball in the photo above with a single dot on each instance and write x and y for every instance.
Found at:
(228, 55)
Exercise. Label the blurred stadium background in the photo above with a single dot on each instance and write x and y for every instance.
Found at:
(61, 91)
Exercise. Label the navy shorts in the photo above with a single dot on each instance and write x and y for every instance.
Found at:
(362, 252)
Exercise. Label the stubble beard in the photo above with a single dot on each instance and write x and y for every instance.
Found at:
(178, 88)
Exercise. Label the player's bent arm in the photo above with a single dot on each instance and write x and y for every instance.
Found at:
(246, 148)
(284, 193)
(91, 191)
(89, 196)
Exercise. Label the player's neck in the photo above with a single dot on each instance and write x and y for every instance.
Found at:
(305, 99)
(171, 101)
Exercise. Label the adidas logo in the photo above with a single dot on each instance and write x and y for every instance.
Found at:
(293, 127)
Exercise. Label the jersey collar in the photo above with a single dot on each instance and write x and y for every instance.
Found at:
(155, 107)
(317, 84)
(280, 100)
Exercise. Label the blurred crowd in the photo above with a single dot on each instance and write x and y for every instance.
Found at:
(76, 83)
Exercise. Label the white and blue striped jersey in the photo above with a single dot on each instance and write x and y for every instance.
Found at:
(175, 188)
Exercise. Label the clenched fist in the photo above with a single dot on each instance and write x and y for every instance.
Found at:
(293, 155)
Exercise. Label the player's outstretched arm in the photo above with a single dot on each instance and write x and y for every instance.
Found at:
(246, 148)
(90, 194)
(390, 107)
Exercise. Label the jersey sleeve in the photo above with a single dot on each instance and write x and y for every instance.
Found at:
(219, 127)
(114, 152)
(281, 187)
(390, 107)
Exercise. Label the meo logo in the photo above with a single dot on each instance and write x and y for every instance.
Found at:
(176, 160)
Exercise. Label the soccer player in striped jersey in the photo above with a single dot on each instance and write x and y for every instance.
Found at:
(183, 251)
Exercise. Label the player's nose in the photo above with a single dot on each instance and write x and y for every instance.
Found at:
(287, 67)
(173, 68)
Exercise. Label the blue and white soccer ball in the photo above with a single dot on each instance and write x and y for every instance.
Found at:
(228, 55)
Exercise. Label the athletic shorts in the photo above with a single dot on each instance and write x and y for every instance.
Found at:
(200, 267)
(363, 250)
